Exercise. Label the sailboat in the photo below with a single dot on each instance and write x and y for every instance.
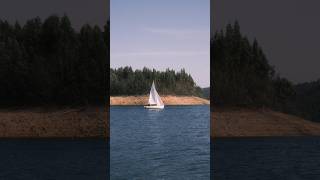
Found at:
(155, 101)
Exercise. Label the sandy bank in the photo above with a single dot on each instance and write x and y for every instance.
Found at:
(246, 122)
(88, 122)
(167, 100)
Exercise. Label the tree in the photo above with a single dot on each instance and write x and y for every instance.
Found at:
(51, 63)
(241, 74)
(125, 81)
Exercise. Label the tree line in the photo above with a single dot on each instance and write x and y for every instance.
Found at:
(126, 81)
(242, 76)
(306, 102)
(49, 62)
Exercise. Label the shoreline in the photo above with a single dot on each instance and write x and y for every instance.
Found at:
(168, 100)
(251, 123)
(54, 123)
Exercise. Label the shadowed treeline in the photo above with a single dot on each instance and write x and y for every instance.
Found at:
(306, 103)
(49, 62)
(242, 76)
(125, 81)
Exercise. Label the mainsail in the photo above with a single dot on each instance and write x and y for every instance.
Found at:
(154, 97)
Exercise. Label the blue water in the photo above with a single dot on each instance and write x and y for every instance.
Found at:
(50, 159)
(172, 143)
(273, 158)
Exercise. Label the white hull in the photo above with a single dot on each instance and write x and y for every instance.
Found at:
(154, 107)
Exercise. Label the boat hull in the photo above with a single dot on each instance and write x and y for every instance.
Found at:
(154, 107)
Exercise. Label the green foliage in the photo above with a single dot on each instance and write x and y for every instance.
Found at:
(50, 63)
(206, 93)
(241, 74)
(125, 81)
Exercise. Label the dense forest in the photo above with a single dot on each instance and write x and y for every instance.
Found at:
(306, 103)
(242, 76)
(49, 62)
(125, 81)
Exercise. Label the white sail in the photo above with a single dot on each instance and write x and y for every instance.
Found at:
(154, 98)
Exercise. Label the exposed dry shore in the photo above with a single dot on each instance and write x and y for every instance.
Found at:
(167, 100)
(89, 122)
(259, 122)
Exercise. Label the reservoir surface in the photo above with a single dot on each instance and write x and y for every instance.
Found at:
(266, 158)
(67, 159)
(173, 143)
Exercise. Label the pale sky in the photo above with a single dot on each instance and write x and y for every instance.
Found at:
(93, 12)
(162, 34)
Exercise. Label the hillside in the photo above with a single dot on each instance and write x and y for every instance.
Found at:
(228, 122)
(167, 100)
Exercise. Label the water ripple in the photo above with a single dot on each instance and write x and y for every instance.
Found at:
(169, 144)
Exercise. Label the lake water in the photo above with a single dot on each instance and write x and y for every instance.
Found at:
(50, 159)
(273, 158)
(172, 143)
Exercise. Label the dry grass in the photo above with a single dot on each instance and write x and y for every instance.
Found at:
(259, 122)
(167, 100)
(67, 122)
